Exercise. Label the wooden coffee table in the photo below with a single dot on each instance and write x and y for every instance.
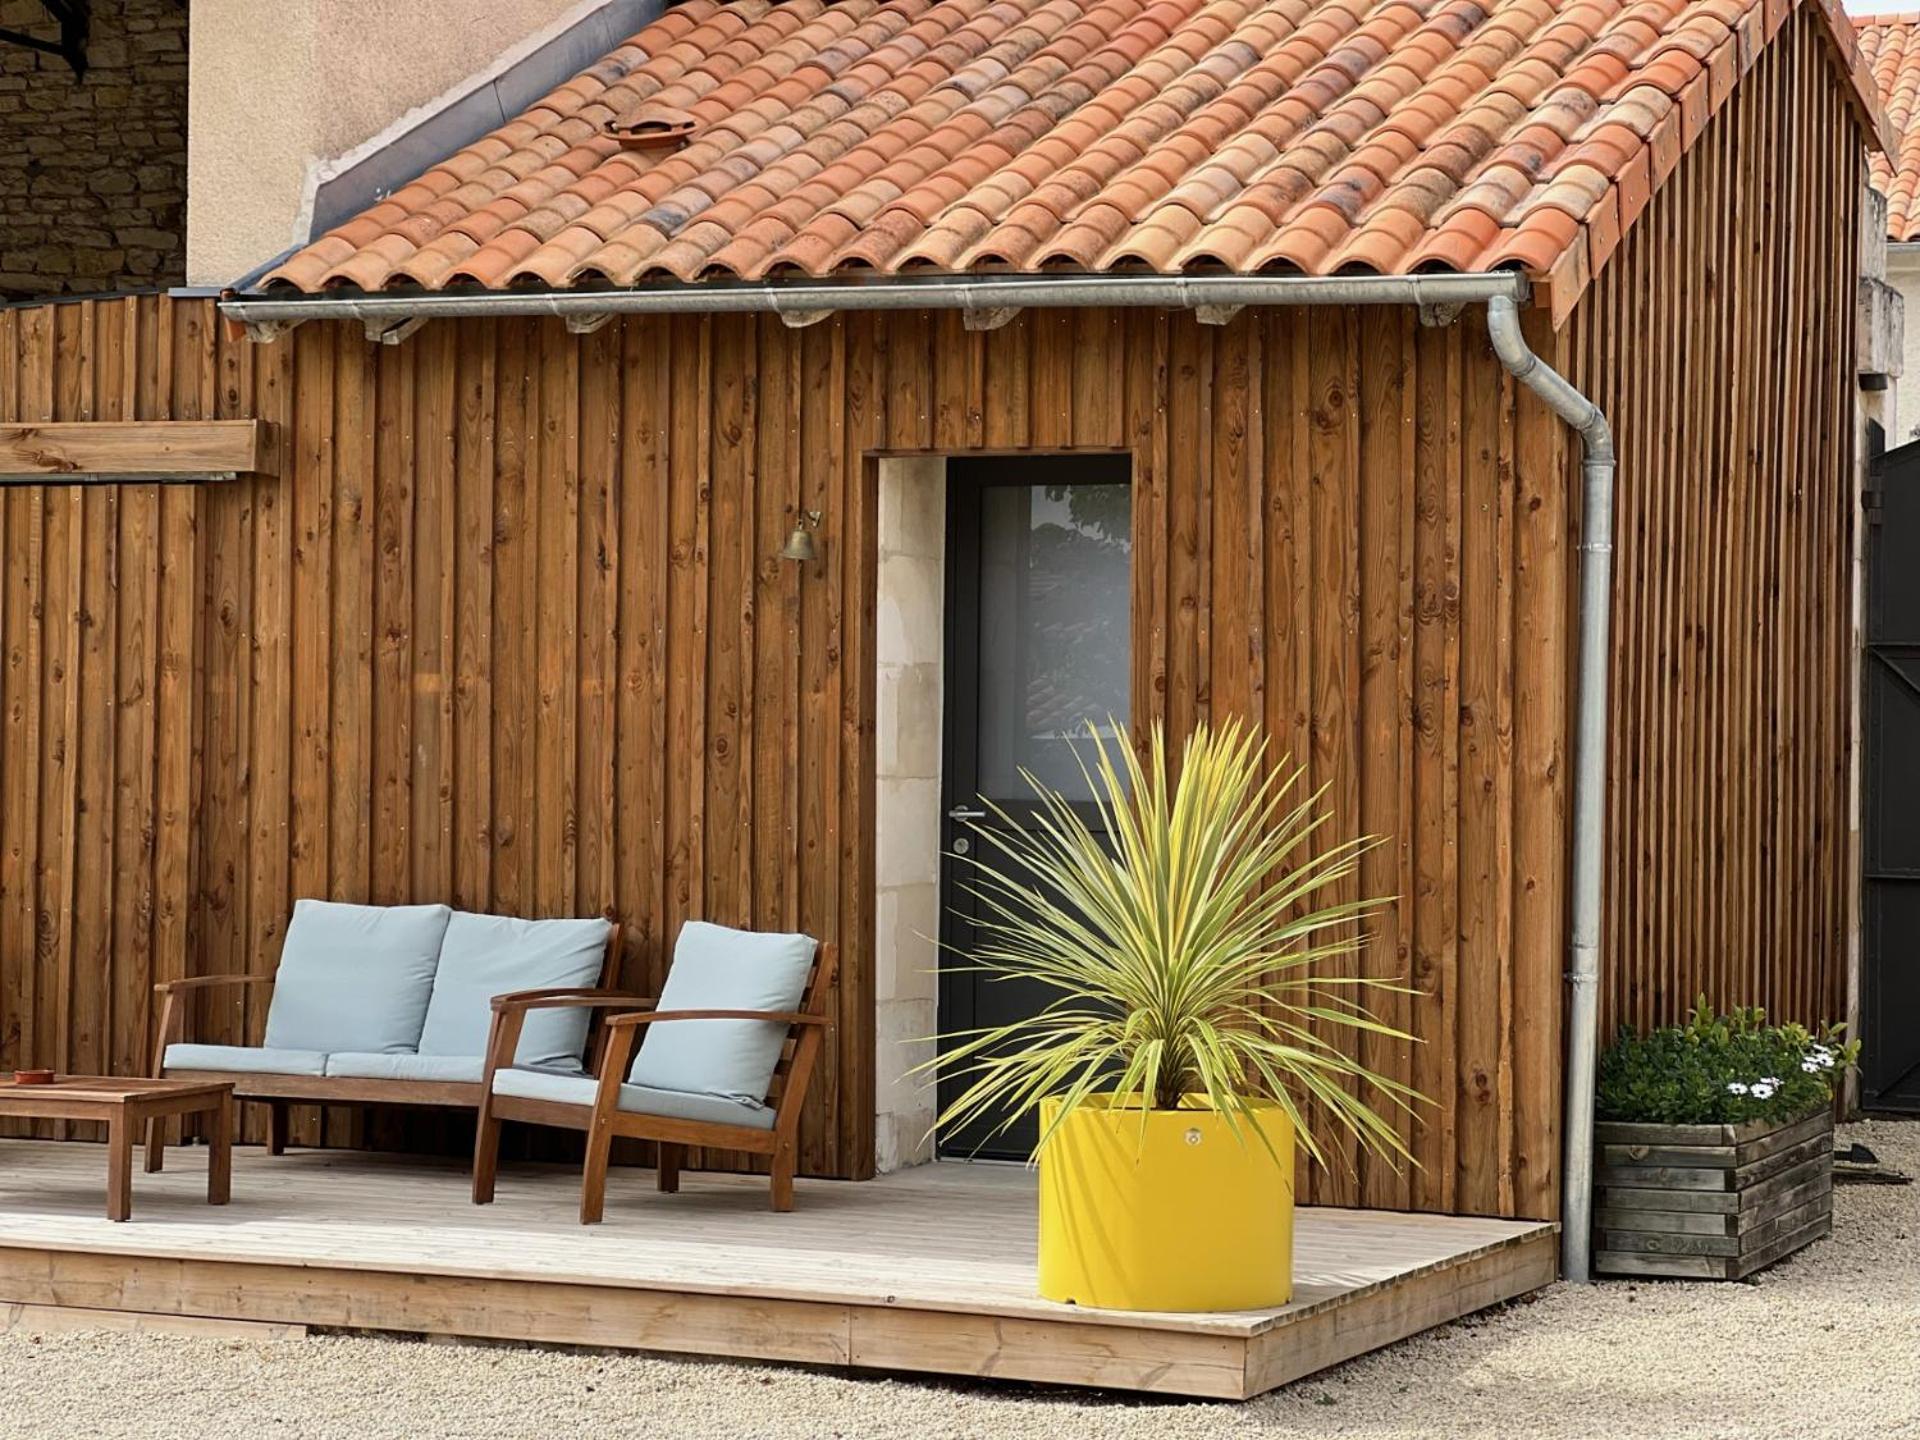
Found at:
(125, 1107)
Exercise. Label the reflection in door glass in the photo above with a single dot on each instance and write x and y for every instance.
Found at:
(1054, 625)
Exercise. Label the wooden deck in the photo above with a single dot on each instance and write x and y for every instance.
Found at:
(929, 1271)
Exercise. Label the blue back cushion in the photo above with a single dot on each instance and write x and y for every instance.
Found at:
(715, 968)
(488, 955)
(355, 977)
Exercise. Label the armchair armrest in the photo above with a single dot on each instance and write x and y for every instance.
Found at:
(205, 982)
(649, 1017)
(510, 1016)
(172, 994)
(573, 998)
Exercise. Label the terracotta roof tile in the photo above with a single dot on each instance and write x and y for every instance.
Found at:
(1890, 49)
(1318, 135)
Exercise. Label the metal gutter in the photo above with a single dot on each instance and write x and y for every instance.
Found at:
(1589, 769)
(986, 299)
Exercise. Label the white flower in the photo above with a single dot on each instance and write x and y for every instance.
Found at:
(1812, 1066)
(1821, 1057)
(1774, 1080)
(1734, 1087)
(1762, 1090)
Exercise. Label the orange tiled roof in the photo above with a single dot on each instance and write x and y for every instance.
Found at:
(1891, 45)
(749, 140)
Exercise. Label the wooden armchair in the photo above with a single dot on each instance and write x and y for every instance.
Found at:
(621, 1100)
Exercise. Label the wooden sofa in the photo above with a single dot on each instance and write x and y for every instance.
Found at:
(738, 1083)
(364, 1001)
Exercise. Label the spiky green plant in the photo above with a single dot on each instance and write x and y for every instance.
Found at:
(1187, 962)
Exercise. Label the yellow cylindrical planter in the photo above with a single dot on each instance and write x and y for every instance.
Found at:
(1181, 1214)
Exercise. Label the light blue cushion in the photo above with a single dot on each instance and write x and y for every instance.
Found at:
(245, 1059)
(387, 1066)
(715, 968)
(355, 977)
(487, 955)
(638, 1099)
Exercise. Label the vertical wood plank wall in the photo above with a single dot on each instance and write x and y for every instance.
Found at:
(1720, 339)
(509, 631)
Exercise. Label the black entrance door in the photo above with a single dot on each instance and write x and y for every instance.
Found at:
(1890, 1009)
(1038, 644)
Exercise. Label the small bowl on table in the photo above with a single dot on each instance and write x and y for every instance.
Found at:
(33, 1077)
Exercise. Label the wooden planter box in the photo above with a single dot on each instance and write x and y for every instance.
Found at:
(1713, 1202)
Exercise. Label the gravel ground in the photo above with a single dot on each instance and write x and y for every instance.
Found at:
(1827, 1344)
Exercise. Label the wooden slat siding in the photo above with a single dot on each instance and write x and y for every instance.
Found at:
(310, 590)
(639, 813)
(554, 599)
(598, 617)
(473, 443)
(1344, 585)
(1329, 628)
(129, 761)
(1385, 622)
(270, 764)
(774, 712)
(90, 945)
(226, 618)
(429, 686)
(513, 626)
(1435, 897)
(730, 640)
(16, 979)
(1729, 754)
(355, 480)
(1542, 653)
(1146, 379)
(1485, 810)
(827, 415)
(393, 608)
(54, 635)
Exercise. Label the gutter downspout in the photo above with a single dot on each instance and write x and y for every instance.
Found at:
(1589, 769)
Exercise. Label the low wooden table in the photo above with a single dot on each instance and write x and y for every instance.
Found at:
(125, 1107)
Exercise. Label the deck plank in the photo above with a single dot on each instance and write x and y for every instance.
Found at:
(930, 1269)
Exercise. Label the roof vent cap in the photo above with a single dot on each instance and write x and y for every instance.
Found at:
(653, 127)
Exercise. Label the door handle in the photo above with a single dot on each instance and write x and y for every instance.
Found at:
(966, 812)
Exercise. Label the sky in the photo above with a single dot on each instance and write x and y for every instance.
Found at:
(1880, 7)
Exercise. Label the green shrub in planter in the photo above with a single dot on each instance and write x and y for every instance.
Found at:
(1722, 1070)
(1715, 1145)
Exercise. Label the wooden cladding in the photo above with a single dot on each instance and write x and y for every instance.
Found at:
(1720, 340)
(107, 450)
(512, 632)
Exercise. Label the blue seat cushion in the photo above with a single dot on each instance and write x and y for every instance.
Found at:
(355, 977)
(637, 1099)
(387, 1066)
(245, 1059)
(715, 968)
(482, 956)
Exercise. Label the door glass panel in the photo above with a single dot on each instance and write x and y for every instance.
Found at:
(1054, 626)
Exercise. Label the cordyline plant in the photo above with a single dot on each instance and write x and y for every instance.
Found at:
(1184, 950)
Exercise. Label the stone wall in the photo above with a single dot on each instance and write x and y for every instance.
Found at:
(910, 647)
(93, 171)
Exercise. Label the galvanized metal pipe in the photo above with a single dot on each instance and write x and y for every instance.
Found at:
(980, 295)
(1589, 769)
